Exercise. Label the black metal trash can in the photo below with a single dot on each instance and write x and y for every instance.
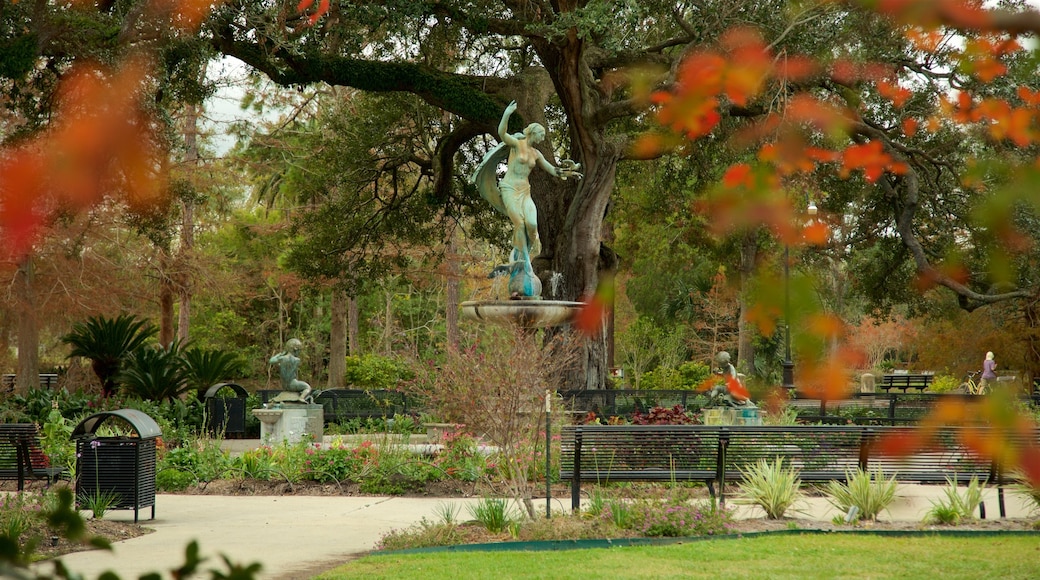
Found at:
(226, 415)
(123, 466)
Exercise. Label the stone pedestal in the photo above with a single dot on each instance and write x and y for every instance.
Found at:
(291, 423)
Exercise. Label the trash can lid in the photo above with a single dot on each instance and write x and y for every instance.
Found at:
(212, 391)
(145, 426)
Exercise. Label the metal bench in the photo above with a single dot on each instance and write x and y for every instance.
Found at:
(904, 382)
(22, 458)
(716, 454)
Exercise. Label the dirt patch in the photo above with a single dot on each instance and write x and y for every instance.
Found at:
(258, 487)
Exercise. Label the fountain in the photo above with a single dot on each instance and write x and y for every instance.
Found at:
(291, 416)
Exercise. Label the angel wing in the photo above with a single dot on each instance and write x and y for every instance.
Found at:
(485, 178)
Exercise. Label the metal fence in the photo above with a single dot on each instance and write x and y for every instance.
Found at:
(342, 405)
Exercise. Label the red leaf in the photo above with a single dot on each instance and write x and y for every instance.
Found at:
(736, 389)
(900, 443)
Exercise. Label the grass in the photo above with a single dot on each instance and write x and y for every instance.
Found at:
(782, 556)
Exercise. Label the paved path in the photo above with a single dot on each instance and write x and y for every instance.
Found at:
(296, 537)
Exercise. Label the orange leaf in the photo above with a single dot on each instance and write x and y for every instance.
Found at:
(816, 233)
(738, 175)
(1029, 463)
(900, 443)
(737, 390)
(909, 126)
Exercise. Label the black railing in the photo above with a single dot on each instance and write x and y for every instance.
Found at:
(858, 408)
(891, 408)
(342, 405)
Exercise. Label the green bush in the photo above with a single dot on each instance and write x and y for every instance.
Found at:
(174, 480)
(869, 492)
(956, 507)
(686, 377)
(374, 372)
(771, 486)
(943, 384)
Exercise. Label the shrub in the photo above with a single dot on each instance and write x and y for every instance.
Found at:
(955, 506)
(943, 384)
(671, 518)
(771, 486)
(376, 372)
(677, 415)
(870, 493)
(498, 390)
(492, 513)
(172, 479)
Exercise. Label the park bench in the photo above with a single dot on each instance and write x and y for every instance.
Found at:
(904, 382)
(715, 455)
(22, 458)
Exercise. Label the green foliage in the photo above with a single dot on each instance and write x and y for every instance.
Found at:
(255, 464)
(107, 342)
(619, 512)
(204, 368)
(943, 384)
(869, 492)
(56, 441)
(771, 486)
(99, 502)
(376, 372)
(955, 506)
(35, 405)
(677, 517)
(492, 513)
(154, 373)
(200, 458)
(1029, 492)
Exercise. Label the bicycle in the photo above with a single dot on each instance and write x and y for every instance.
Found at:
(971, 387)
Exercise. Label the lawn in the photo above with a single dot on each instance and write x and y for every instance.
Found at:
(793, 556)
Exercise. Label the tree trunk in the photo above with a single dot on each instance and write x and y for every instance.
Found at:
(28, 329)
(352, 326)
(572, 229)
(745, 359)
(451, 308)
(187, 247)
(337, 339)
(166, 330)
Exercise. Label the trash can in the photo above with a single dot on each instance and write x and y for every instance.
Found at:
(123, 466)
(224, 414)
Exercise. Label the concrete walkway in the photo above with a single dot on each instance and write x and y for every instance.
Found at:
(297, 537)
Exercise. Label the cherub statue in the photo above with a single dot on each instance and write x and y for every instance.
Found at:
(288, 362)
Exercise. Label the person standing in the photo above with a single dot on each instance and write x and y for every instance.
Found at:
(989, 367)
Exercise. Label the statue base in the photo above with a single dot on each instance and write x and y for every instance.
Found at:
(732, 416)
(291, 422)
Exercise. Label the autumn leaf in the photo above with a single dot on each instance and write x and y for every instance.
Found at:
(893, 92)
(816, 233)
(899, 443)
(590, 317)
(871, 158)
(736, 389)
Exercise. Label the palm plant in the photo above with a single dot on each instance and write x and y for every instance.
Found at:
(155, 373)
(205, 368)
(106, 342)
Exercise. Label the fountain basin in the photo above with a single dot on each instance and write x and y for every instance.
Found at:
(523, 313)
